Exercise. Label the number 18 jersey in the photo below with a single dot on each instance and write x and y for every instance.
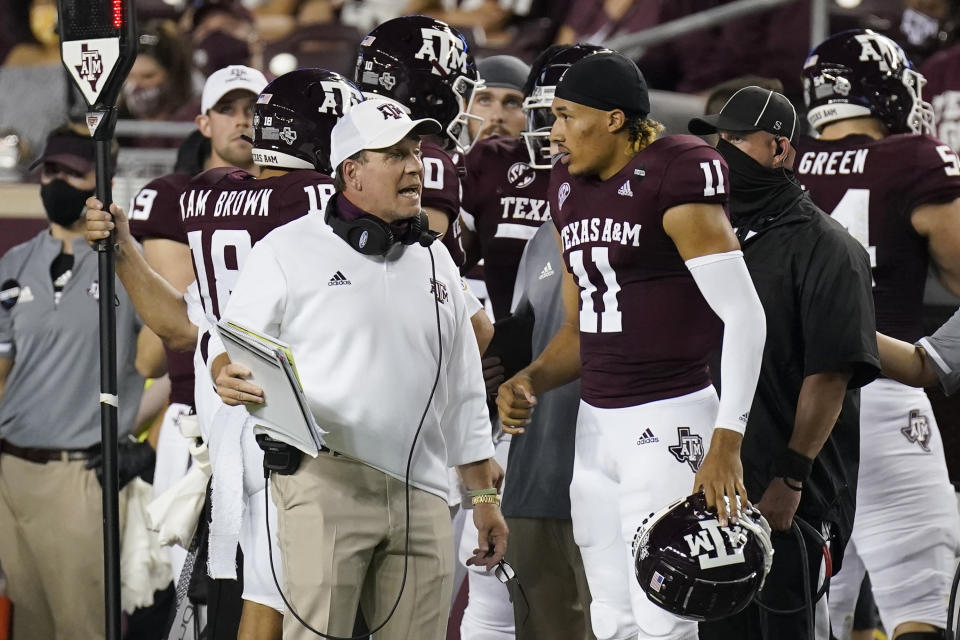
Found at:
(871, 187)
(645, 329)
(226, 211)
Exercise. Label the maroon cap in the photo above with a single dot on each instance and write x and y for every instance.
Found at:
(73, 151)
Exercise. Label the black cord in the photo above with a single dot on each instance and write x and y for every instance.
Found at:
(798, 526)
(406, 543)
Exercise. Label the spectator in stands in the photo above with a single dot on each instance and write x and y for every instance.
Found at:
(926, 26)
(599, 20)
(159, 86)
(223, 33)
(35, 94)
(517, 27)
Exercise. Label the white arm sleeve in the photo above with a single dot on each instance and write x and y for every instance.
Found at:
(725, 283)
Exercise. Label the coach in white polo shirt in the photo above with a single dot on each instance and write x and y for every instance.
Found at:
(360, 293)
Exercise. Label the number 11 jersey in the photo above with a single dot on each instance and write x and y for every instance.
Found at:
(226, 211)
(646, 331)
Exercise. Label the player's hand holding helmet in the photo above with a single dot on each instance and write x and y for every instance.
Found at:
(689, 565)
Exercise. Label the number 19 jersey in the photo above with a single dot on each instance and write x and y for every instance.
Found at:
(226, 211)
(871, 187)
(646, 331)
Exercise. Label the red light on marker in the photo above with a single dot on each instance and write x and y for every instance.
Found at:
(117, 13)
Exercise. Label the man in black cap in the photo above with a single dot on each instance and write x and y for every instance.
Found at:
(500, 101)
(649, 253)
(800, 450)
(50, 499)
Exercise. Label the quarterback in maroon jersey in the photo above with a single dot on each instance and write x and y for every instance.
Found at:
(898, 192)
(651, 262)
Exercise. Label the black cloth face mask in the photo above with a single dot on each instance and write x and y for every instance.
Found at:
(755, 189)
(64, 203)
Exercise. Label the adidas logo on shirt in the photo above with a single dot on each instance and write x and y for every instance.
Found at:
(647, 437)
(547, 271)
(625, 189)
(338, 280)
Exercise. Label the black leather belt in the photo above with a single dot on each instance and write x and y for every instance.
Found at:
(43, 456)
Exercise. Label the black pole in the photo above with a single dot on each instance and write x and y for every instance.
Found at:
(103, 135)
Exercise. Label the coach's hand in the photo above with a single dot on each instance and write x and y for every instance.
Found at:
(100, 223)
(779, 504)
(721, 474)
(232, 387)
(492, 535)
(515, 403)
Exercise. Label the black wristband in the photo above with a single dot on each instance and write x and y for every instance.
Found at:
(792, 487)
(793, 465)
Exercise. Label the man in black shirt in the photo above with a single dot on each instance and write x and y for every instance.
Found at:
(800, 450)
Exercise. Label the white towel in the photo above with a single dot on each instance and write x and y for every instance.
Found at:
(174, 514)
(226, 501)
(144, 567)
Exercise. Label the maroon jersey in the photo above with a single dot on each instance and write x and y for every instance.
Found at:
(441, 191)
(226, 211)
(155, 214)
(645, 330)
(871, 187)
(943, 91)
(504, 203)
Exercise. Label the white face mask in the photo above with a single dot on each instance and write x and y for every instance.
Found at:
(918, 27)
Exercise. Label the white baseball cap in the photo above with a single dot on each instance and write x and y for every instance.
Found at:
(223, 81)
(375, 123)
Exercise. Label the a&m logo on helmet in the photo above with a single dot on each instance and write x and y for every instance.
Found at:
(441, 47)
(882, 50)
(716, 546)
(338, 97)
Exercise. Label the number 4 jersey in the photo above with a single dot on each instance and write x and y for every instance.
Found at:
(645, 330)
(226, 211)
(871, 187)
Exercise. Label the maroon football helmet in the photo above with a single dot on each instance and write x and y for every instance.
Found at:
(692, 567)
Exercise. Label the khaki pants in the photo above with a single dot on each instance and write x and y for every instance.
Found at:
(51, 548)
(548, 565)
(341, 530)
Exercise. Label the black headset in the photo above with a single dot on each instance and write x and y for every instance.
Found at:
(373, 237)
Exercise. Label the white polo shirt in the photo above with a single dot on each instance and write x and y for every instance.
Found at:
(363, 330)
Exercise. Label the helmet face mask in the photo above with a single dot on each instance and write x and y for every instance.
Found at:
(295, 115)
(689, 565)
(540, 118)
(861, 73)
(424, 65)
(537, 106)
